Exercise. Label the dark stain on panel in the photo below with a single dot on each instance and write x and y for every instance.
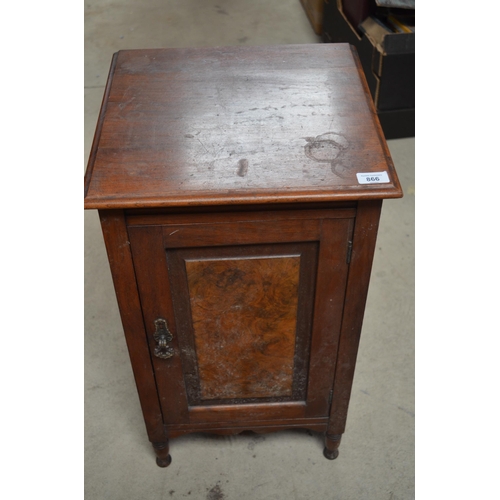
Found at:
(242, 167)
(328, 148)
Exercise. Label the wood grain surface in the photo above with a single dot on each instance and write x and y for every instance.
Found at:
(255, 301)
(236, 125)
(244, 315)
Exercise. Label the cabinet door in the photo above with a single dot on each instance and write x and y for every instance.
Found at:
(253, 310)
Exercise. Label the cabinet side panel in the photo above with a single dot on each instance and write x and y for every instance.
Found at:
(122, 271)
(363, 249)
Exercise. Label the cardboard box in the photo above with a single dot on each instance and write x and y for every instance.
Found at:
(356, 11)
(392, 65)
(388, 60)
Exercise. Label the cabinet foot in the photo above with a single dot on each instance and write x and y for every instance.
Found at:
(332, 443)
(331, 455)
(163, 458)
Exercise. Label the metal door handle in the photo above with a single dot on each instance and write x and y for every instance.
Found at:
(162, 336)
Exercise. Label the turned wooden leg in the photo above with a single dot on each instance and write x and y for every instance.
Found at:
(332, 443)
(163, 459)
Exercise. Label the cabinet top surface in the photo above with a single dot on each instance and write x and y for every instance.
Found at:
(236, 125)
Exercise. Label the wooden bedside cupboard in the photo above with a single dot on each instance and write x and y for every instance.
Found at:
(239, 191)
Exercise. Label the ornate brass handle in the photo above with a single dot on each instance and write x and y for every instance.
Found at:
(162, 335)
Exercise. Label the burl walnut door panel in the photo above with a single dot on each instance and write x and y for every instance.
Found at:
(244, 320)
(247, 304)
(245, 328)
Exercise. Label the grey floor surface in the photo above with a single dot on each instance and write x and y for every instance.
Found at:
(376, 458)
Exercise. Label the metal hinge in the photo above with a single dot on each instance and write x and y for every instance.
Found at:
(349, 251)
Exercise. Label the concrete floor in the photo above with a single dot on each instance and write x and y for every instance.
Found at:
(376, 458)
